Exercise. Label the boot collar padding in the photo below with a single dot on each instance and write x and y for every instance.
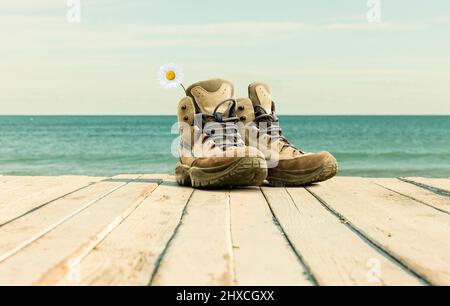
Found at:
(208, 94)
(260, 94)
(207, 101)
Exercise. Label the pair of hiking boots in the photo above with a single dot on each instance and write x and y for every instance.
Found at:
(238, 142)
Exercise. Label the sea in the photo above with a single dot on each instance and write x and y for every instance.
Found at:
(368, 146)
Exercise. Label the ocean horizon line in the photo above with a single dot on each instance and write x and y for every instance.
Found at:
(284, 115)
(364, 145)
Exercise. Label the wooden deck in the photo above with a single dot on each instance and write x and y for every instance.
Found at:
(144, 229)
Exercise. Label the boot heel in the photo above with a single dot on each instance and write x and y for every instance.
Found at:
(182, 175)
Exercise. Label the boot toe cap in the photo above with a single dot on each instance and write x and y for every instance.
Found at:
(307, 162)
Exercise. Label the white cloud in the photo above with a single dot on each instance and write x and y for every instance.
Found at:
(22, 30)
(23, 6)
(36, 64)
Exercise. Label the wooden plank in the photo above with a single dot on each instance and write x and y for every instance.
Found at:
(201, 251)
(4, 179)
(441, 184)
(51, 191)
(14, 184)
(28, 187)
(262, 254)
(335, 254)
(417, 235)
(21, 232)
(10, 178)
(47, 259)
(419, 194)
(118, 260)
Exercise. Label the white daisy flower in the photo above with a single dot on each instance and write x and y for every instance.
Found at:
(170, 76)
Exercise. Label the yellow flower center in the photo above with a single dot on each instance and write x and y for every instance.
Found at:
(170, 75)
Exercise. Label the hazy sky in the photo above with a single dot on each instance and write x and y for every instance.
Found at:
(321, 57)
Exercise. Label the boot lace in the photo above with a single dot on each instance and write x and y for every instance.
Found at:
(271, 127)
(222, 128)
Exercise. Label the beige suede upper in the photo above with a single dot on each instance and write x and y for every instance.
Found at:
(199, 150)
(259, 94)
(244, 110)
(207, 94)
(289, 157)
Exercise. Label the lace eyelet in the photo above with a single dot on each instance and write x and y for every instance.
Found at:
(241, 108)
(218, 117)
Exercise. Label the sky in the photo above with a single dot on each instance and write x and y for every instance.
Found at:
(320, 57)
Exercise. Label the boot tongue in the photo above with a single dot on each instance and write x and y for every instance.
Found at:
(260, 95)
(208, 94)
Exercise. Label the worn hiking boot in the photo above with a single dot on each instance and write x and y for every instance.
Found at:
(212, 152)
(288, 165)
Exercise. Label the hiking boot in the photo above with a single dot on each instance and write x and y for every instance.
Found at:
(212, 152)
(287, 165)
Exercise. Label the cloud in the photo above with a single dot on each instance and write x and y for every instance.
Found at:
(265, 28)
(55, 31)
(31, 6)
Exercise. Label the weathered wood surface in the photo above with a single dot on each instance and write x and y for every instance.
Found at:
(436, 185)
(417, 235)
(334, 254)
(262, 254)
(145, 230)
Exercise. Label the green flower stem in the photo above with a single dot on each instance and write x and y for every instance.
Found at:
(182, 86)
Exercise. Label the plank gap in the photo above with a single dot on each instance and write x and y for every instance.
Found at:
(414, 199)
(369, 241)
(47, 203)
(232, 258)
(309, 274)
(27, 242)
(436, 190)
(169, 242)
(54, 275)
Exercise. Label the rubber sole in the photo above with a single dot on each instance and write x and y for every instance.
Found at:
(246, 171)
(292, 178)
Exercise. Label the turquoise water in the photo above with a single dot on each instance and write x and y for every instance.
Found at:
(102, 145)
